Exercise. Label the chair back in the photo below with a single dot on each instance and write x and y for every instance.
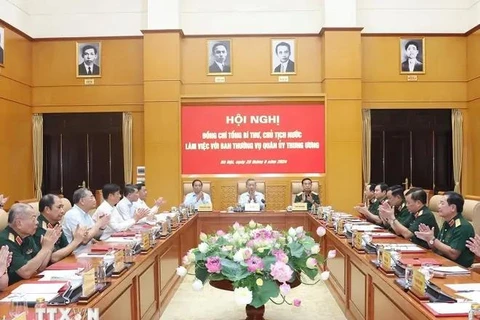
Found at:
(471, 212)
(433, 206)
(3, 219)
(242, 187)
(33, 202)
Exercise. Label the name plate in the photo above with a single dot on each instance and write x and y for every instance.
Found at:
(252, 207)
(299, 206)
(418, 283)
(88, 286)
(21, 316)
(146, 240)
(119, 262)
(386, 260)
(205, 207)
(357, 240)
(340, 227)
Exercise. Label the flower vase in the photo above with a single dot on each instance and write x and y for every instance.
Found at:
(254, 313)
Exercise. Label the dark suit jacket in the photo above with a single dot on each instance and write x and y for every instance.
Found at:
(82, 71)
(290, 67)
(214, 68)
(418, 66)
(1, 56)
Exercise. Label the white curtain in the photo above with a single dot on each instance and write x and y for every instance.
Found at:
(457, 141)
(37, 132)
(127, 147)
(366, 145)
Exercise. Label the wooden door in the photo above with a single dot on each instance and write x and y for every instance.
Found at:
(82, 149)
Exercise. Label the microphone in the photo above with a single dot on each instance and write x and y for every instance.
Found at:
(263, 201)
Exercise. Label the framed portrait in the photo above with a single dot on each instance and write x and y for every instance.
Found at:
(283, 56)
(219, 53)
(412, 55)
(89, 60)
(2, 46)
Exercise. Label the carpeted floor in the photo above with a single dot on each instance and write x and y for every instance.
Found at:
(215, 304)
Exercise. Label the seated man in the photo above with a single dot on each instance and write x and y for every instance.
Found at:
(118, 222)
(416, 198)
(51, 214)
(456, 230)
(371, 213)
(5, 260)
(84, 201)
(27, 258)
(396, 202)
(307, 195)
(252, 196)
(126, 206)
(142, 195)
(197, 197)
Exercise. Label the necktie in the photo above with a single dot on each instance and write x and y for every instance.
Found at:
(89, 70)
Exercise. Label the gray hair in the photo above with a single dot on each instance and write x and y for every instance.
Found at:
(18, 210)
(79, 194)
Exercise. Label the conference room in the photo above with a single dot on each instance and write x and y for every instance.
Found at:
(162, 127)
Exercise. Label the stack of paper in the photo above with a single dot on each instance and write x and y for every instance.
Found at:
(364, 227)
(67, 275)
(31, 291)
(458, 309)
(455, 270)
(464, 287)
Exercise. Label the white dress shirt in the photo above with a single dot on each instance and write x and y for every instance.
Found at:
(118, 222)
(125, 207)
(191, 198)
(140, 204)
(245, 198)
(72, 218)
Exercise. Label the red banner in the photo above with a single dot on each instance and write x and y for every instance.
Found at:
(253, 139)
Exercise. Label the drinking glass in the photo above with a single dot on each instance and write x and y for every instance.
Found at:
(18, 305)
(427, 270)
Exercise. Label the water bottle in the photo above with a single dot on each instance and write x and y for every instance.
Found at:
(40, 308)
(474, 312)
(408, 275)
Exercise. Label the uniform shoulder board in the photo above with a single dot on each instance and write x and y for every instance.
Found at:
(44, 225)
(11, 237)
(315, 193)
(300, 193)
(458, 223)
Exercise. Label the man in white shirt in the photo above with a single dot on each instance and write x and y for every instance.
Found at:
(197, 197)
(84, 201)
(142, 195)
(412, 64)
(252, 195)
(118, 222)
(126, 206)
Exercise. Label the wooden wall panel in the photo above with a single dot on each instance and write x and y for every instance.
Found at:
(121, 308)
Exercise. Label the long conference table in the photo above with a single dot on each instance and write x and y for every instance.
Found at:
(361, 290)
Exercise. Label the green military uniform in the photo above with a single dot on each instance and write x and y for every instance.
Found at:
(42, 227)
(455, 233)
(22, 251)
(315, 198)
(425, 216)
(403, 216)
(374, 207)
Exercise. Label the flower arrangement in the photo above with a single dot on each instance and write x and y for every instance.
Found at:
(261, 263)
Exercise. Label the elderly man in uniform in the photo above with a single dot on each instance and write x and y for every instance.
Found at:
(27, 257)
(307, 195)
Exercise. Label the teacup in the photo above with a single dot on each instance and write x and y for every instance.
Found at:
(289, 208)
(230, 209)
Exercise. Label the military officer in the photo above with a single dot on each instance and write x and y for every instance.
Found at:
(307, 195)
(371, 213)
(416, 198)
(27, 257)
(51, 214)
(456, 230)
(396, 202)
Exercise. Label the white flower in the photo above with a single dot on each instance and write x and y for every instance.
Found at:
(236, 225)
(268, 228)
(289, 239)
(315, 249)
(243, 296)
(325, 275)
(203, 236)
(238, 256)
(311, 263)
(181, 271)
(227, 248)
(185, 260)
(321, 231)
(191, 256)
(332, 254)
(252, 224)
(203, 247)
(236, 237)
(247, 253)
(299, 230)
(292, 232)
(197, 285)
